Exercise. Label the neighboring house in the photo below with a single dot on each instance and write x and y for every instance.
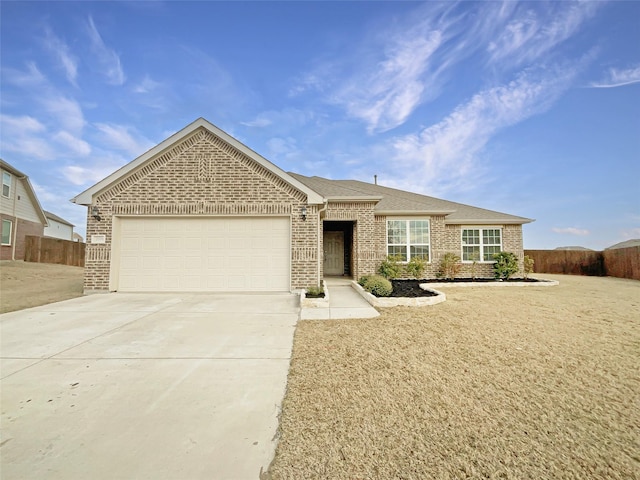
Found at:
(77, 237)
(20, 211)
(58, 227)
(203, 212)
(634, 242)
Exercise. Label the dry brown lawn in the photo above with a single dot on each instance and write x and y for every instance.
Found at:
(27, 284)
(521, 383)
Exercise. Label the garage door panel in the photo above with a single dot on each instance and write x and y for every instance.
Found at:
(204, 254)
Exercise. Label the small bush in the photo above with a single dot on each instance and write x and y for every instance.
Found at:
(315, 291)
(528, 266)
(378, 286)
(415, 267)
(506, 265)
(391, 267)
(450, 266)
(364, 279)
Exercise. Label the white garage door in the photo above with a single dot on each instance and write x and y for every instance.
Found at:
(203, 254)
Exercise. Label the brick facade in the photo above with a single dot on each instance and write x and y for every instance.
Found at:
(202, 176)
(21, 228)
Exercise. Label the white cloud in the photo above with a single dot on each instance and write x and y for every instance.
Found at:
(619, 78)
(66, 112)
(80, 175)
(530, 34)
(443, 156)
(24, 135)
(32, 77)
(61, 51)
(147, 85)
(29, 147)
(72, 143)
(120, 137)
(108, 59)
(281, 120)
(13, 125)
(408, 62)
(581, 232)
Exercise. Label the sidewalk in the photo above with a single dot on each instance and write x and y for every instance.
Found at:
(344, 302)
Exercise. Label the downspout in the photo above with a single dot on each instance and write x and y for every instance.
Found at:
(323, 209)
(15, 227)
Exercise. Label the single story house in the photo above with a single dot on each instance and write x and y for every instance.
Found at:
(203, 212)
(20, 212)
(58, 227)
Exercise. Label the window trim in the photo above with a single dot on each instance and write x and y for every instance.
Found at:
(481, 228)
(408, 243)
(10, 232)
(8, 195)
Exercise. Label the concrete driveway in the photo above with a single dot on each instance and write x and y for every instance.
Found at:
(144, 386)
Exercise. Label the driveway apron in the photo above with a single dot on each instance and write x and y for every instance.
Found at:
(144, 386)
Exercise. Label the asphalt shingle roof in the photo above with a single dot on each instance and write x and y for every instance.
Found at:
(58, 219)
(394, 200)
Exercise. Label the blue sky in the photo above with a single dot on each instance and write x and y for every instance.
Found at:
(530, 108)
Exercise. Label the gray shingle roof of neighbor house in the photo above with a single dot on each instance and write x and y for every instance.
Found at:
(392, 201)
(56, 218)
(634, 242)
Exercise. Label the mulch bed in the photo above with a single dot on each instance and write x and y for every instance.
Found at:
(410, 288)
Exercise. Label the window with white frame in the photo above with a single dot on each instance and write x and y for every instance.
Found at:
(407, 239)
(6, 184)
(480, 244)
(7, 225)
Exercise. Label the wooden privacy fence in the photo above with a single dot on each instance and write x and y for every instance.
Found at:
(53, 250)
(619, 262)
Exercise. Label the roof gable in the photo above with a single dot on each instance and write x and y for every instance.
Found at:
(56, 218)
(19, 176)
(88, 196)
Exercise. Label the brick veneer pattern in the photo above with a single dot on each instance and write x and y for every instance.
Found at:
(202, 175)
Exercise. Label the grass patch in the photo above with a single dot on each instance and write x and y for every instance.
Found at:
(515, 383)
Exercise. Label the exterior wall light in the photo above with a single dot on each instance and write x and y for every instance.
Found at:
(303, 212)
(95, 213)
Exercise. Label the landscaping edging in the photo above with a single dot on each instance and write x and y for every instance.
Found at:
(401, 301)
(315, 302)
(540, 283)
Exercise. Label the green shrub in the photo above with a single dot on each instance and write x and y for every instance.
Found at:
(506, 265)
(391, 267)
(415, 267)
(315, 291)
(528, 265)
(450, 266)
(364, 279)
(378, 286)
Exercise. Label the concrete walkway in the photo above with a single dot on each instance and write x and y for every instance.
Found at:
(344, 303)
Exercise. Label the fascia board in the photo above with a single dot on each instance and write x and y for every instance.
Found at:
(475, 221)
(413, 212)
(348, 198)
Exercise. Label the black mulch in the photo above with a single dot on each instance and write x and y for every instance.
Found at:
(409, 288)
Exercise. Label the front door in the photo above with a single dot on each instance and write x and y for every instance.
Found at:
(333, 253)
